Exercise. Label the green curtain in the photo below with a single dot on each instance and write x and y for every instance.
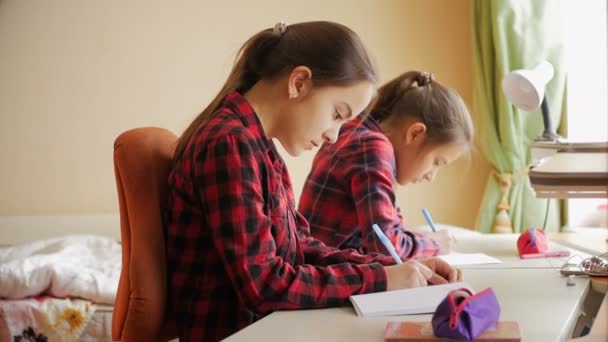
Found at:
(510, 35)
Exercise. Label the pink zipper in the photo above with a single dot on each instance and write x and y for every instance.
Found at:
(456, 310)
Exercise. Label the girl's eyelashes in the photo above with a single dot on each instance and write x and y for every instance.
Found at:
(439, 162)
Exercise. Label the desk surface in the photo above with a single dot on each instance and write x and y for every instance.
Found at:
(544, 310)
(504, 248)
(539, 298)
(531, 292)
(590, 240)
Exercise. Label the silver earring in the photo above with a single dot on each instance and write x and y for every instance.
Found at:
(292, 96)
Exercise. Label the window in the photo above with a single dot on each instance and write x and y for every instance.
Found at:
(587, 83)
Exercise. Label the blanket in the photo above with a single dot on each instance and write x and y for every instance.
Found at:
(86, 267)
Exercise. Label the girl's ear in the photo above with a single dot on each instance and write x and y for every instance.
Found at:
(415, 133)
(299, 82)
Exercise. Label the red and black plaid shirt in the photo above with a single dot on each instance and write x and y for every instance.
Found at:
(351, 187)
(236, 247)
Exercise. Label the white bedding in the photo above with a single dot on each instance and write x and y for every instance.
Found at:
(99, 328)
(74, 266)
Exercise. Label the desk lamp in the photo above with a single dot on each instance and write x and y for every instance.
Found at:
(525, 88)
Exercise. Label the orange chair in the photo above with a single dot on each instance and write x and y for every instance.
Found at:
(142, 161)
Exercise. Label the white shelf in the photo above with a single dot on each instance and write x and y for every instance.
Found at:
(571, 175)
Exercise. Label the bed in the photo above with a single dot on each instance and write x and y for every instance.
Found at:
(59, 288)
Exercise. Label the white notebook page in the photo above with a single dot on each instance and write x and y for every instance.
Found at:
(419, 300)
(462, 259)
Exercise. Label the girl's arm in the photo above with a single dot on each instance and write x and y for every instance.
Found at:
(318, 253)
(229, 180)
(371, 184)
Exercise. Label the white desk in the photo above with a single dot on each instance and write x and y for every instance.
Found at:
(593, 241)
(504, 248)
(537, 298)
(599, 330)
(530, 291)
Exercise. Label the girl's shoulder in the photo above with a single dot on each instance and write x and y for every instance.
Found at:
(224, 129)
(357, 140)
(224, 123)
(357, 133)
(363, 130)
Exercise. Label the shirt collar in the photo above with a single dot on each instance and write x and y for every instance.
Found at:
(373, 125)
(241, 107)
(368, 122)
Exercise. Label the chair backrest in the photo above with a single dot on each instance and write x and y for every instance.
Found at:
(142, 162)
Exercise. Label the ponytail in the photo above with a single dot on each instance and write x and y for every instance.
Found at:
(241, 78)
(417, 95)
(333, 52)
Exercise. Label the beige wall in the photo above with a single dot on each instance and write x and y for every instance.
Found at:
(74, 74)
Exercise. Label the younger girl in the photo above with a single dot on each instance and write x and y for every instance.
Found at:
(236, 247)
(415, 127)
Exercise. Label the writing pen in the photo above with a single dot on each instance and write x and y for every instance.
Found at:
(387, 243)
(545, 255)
(428, 218)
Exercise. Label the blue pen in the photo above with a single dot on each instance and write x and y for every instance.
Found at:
(428, 218)
(387, 243)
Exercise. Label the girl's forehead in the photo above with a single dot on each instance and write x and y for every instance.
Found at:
(450, 151)
(356, 96)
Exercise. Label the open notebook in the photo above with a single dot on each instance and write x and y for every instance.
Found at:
(419, 300)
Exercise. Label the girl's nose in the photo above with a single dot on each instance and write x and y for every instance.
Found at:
(430, 176)
(331, 136)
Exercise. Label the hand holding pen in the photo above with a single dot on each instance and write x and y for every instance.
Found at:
(444, 238)
(415, 273)
(419, 273)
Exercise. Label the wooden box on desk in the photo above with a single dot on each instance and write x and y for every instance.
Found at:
(507, 331)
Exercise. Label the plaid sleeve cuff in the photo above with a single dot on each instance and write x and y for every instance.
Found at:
(373, 278)
(424, 246)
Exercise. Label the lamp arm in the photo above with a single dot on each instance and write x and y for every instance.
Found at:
(549, 133)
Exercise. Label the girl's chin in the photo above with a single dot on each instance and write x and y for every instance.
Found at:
(406, 181)
(294, 151)
(403, 182)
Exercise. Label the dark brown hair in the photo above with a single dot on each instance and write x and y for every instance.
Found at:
(333, 52)
(417, 95)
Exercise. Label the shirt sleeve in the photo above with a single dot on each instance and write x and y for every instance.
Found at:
(229, 176)
(318, 253)
(371, 184)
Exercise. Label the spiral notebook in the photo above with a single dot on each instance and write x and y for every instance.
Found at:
(419, 300)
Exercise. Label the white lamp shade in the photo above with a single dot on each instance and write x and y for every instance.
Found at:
(525, 88)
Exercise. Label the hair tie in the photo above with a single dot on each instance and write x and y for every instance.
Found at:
(425, 78)
(280, 28)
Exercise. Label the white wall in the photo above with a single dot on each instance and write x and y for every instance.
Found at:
(75, 73)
